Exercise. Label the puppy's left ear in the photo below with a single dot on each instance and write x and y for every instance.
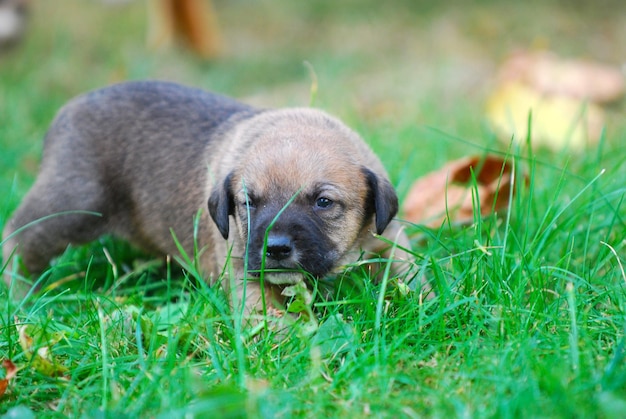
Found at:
(222, 205)
(382, 199)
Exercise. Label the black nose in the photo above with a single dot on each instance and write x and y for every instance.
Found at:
(279, 247)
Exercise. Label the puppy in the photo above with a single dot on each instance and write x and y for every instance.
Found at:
(291, 193)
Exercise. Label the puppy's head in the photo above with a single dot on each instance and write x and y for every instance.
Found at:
(304, 191)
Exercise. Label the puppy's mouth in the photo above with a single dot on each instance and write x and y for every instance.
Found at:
(280, 276)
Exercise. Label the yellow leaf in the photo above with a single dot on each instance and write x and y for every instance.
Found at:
(40, 356)
(557, 121)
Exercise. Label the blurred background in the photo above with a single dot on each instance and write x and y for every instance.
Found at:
(414, 78)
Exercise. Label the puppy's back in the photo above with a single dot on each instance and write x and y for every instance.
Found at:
(127, 117)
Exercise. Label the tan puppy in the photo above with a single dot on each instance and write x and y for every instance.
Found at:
(295, 190)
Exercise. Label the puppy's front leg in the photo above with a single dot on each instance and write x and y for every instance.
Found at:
(253, 301)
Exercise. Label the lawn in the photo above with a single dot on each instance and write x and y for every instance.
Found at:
(530, 313)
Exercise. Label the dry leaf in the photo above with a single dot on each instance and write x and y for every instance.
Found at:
(578, 79)
(10, 370)
(447, 192)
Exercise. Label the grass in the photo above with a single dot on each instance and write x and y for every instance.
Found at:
(529, 316)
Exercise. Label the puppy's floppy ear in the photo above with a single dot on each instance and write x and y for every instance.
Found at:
(222, 205)
(382, 199)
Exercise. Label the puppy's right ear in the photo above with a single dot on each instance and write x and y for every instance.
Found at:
(222, 205)
(382, 198)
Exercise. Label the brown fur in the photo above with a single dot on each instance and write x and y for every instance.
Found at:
(148, 155)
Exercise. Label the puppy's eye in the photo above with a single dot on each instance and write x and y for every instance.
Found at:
(323, 203)
(248, 203)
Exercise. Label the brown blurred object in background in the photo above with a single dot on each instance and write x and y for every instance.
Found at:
(13, 17)
(191, 21)
(549, 74)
